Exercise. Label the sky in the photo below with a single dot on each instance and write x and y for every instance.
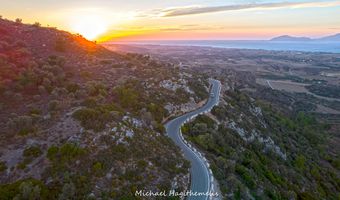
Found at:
(119, 20)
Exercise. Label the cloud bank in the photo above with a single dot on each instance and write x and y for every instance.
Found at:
(194, 10)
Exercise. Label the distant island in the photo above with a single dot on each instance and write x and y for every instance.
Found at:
(288, 38)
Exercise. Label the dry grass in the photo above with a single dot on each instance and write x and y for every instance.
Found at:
(288, 86)
(326, 110)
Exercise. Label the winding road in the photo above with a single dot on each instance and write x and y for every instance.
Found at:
(201, 175)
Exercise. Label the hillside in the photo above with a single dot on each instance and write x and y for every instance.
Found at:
(81, 121)
(23, 46)
(261, 146)
(286, 38)
(335, 37)
(263, 142)
(43, 41)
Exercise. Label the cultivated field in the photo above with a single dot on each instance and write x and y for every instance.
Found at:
(288, 86)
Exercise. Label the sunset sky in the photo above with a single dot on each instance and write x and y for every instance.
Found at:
(105, 20)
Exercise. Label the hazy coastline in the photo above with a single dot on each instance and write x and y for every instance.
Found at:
(310, 46)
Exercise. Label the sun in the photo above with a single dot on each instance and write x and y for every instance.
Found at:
(90, 26)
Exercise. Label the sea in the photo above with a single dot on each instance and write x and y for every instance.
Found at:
(311, 46)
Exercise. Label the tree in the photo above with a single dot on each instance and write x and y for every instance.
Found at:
(92, 118)
(33, 151)
(28, 192)
(128, 97)
(300, 162)
(199, 128)
(36, 24)
(68, 192)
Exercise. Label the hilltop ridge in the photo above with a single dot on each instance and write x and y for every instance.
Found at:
(80, 121)
(288, 38)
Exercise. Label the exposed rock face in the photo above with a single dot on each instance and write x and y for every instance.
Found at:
(255, 135)
(180, 84)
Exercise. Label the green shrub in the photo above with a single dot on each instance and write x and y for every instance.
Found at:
(243, 172)
(198, 88)
(157, 111)
(95, 88)
(92, 119)
(68, 192)
(90, 102)
(142, 164)
(35, 111)
(53, 105)
(300, 162)
(21, 165)
(33, 151)
(97, 168)
(66, 152)
(72, 87)
(30, 189)
(3, 166)
(52, 152)
(69, 151)
(128, 97)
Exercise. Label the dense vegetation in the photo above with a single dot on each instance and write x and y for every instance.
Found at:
(199, 89)
(325, 90)
(246, 166)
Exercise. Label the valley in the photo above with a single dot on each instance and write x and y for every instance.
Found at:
(266, 141)
(82, 120)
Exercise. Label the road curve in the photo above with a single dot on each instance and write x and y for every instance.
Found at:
(201, 176)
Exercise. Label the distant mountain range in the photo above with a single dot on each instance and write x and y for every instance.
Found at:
(288, 38)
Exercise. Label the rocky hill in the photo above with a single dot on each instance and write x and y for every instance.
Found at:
(287, 38)
(261, 144)
(79, 121)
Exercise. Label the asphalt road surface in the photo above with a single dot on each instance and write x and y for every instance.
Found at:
(201, 176)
